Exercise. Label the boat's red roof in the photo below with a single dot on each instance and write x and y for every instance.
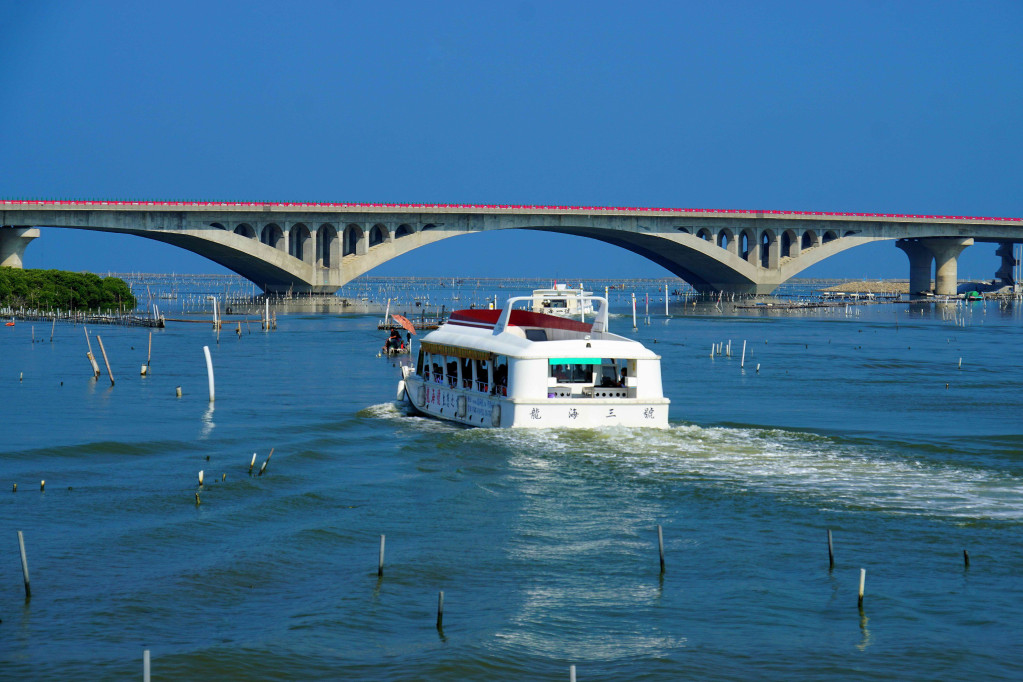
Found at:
(480, 317)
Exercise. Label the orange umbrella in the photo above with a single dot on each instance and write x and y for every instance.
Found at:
(404, 322)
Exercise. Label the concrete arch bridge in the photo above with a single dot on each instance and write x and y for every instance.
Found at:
(317, 248)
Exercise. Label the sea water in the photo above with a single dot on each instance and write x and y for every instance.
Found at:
(859, 420)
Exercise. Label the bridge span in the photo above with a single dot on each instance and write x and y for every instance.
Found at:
(318, 247)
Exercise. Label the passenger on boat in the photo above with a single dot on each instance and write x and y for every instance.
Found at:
(393, 344)
(624, 378)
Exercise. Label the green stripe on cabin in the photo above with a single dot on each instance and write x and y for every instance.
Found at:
(573, 361)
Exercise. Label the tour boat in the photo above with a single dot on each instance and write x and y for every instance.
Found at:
(514, 367)
(563, 301)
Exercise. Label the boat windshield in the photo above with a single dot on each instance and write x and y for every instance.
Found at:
(573, 370)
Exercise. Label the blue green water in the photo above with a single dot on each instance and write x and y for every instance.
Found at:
(544, 543)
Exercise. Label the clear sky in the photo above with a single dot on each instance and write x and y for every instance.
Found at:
(907, 107)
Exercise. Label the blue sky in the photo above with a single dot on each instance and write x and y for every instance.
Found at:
(908, 107)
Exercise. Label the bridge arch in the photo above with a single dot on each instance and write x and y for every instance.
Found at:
(354, 242)
(245, 230)
(403, 230)
(378, 234)
(789, 244)
(809, 240)
(326, 246)
(273, 236)
(298, 243)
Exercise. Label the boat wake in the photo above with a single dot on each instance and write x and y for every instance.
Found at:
(800, 467)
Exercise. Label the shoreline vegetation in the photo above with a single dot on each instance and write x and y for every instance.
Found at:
(63, 290)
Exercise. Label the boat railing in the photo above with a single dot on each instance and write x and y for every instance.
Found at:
(482, 387)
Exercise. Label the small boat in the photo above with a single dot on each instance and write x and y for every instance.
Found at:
(10, 324)
(515, 367)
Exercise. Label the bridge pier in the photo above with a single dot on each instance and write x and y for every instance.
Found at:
(920, 259)
(1006, 274)
(13, 241)
(944, 251)
(946, 264)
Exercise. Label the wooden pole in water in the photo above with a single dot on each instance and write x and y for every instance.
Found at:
(209, 369)
(105, 360)
(666, 301)
(92, 358)
(145, 666)
(660, 545)
(742, 363)
(24, 565)
(380, 565)
(831, 551)
(440, 611)
(634, 327)
(571, 673)
(966, 559)
(52, 327)
(863, 578)
(252, 463)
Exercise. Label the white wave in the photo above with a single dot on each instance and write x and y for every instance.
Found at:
(798, 466)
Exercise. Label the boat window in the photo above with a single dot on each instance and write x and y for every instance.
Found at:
(419, 363)
(466, 373)
(501, 375)
(482, 375)
(572, 373)
(536, 334)
(611, 372)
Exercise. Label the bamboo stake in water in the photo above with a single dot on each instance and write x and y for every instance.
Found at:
(966, 559)
(666, 301)
(252, 463)
(660, 545)
(742, 363)
(92, 358)
(105, 360)
(571, 673)
(52, 327)
(634, 327)
(145, 666)
(863, 578)
(440, 611)
(831, 552)
(24, 565)
(380, 565)
(209, 369)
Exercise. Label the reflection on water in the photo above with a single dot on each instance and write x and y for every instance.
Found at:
(207, 423)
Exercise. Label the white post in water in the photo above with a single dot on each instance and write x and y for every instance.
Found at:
(24, 564)
(742, 363)
(145, 666)
(380, 565)
(666, 301)
(209, 369)
(571, 673)
(634, 327)
(863, 578)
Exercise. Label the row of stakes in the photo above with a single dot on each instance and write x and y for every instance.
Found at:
(440, 596)
(722, 349)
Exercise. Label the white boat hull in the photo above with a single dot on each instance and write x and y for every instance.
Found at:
(490, 411)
